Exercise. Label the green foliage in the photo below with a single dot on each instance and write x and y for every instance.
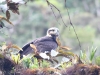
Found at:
(44, 64)
(97, 60)
(65, 65)
(16, 58)
(88, 56)
(33, 63)
(26, 61)
(83, 56)
(92, 54)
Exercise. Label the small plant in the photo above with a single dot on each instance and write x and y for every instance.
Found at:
(83, 56)
(16, 58)
(26, 61)
(34, 63)
(66, 65)
(89, 56)
(92, 54)
(97, 60)
(44, 64)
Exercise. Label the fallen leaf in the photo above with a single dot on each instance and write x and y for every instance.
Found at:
(3, 18)
(65, 47)
(34, 47)
(16, 47)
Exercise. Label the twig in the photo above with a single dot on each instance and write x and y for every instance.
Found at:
(51, 5)
(73, 26)
(54, 14)
(60, 14)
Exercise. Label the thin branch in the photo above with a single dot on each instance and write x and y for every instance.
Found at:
(60, 14)
(73, 26)
(54, 14)
(51, 5)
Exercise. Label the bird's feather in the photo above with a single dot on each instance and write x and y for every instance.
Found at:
(42, 44)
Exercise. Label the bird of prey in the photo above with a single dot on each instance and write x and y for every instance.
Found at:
(46, 43)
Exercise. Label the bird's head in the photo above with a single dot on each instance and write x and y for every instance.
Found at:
(53, 32)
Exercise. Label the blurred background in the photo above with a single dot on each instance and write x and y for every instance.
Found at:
(36, 17)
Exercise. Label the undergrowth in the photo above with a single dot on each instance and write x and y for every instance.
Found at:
(57, 64)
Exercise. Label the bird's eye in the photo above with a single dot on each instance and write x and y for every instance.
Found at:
(53, 30)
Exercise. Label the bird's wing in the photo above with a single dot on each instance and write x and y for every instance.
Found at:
(42, 44)
(45, 44)
(26, 49)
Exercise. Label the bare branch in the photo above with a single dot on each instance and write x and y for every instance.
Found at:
(73, 26)
(51, 5)
(60, 14)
